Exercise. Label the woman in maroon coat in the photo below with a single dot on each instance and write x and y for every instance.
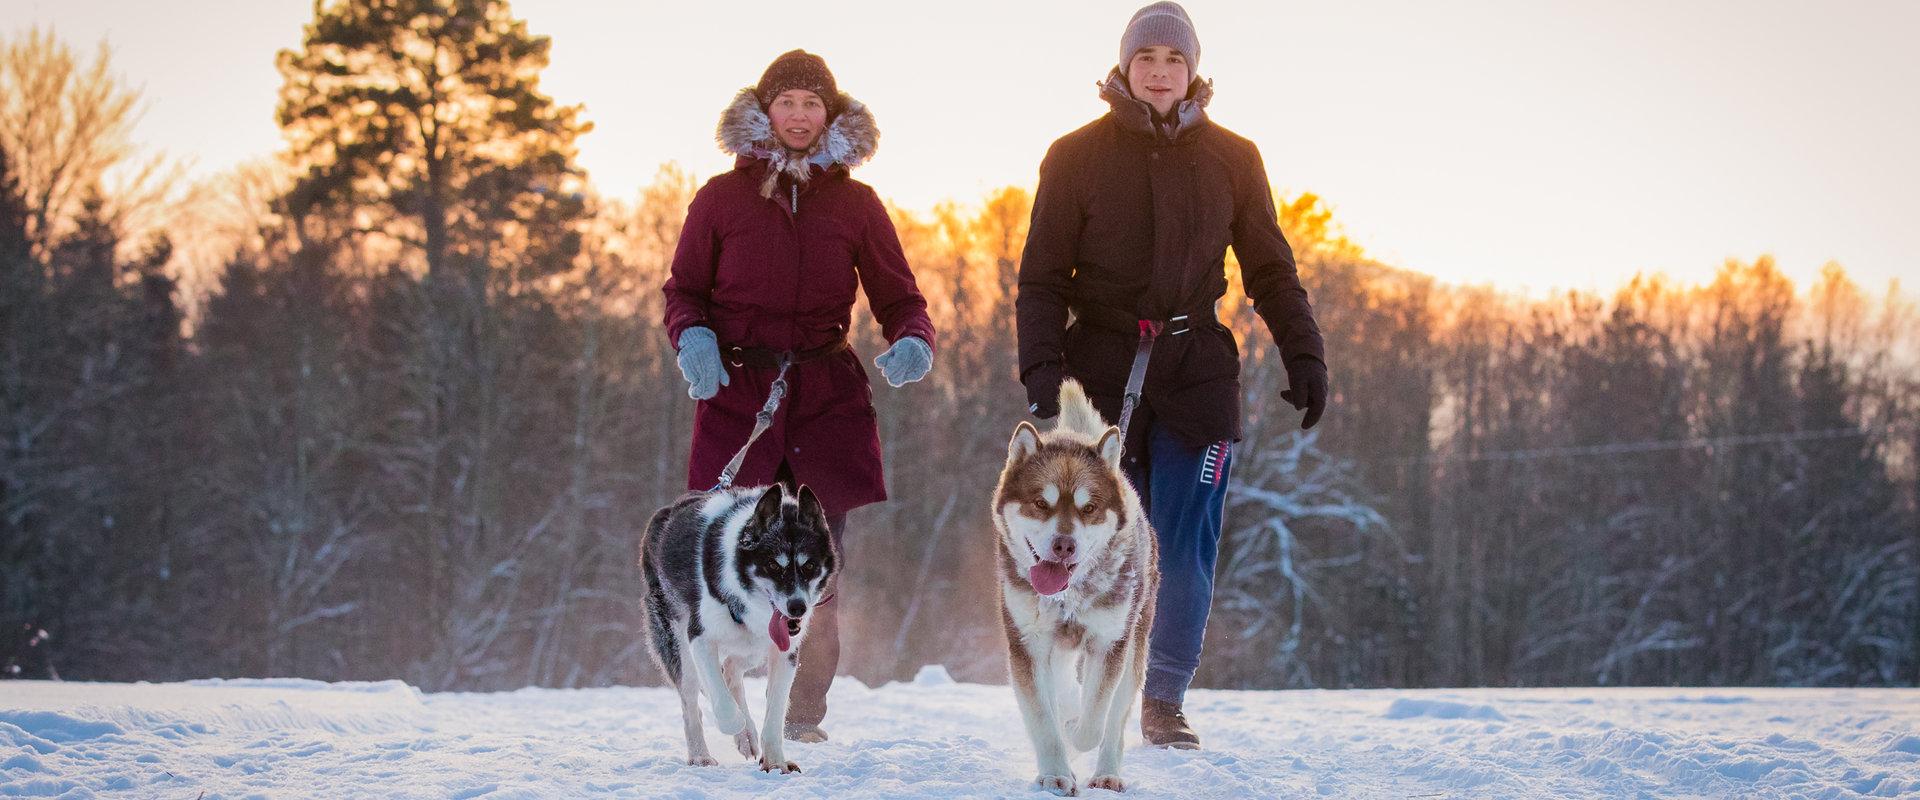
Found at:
(768, 262)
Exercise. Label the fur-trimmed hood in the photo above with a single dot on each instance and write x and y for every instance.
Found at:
(745, 130)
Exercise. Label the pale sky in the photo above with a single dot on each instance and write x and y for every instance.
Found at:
(1530, 145)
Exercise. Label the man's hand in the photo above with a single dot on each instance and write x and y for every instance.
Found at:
(1043, 389)
(1306, 388)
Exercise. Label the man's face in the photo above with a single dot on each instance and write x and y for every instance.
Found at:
(798, 117)
(1159, 75)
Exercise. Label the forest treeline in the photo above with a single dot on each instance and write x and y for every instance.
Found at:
(401, 409)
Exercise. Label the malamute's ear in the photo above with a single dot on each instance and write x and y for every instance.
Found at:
(1110, 447)
(767, 511)
(1026, 442)
(811, 509)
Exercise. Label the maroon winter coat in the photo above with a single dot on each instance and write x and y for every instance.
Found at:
(761, 272)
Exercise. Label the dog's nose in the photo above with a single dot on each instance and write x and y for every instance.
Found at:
(1063, 548)
(796, 608)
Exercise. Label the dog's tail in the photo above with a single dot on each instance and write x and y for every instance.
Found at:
(660, 639)
(1077, 413)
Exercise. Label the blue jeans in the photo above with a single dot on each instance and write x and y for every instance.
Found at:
(1185, 491)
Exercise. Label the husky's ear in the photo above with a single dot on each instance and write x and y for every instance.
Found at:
(1026, 442)
(767, 511)
(1110, 447)
(811, 509)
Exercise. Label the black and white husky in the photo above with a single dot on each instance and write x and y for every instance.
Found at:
(731, 578)
(1078, 573)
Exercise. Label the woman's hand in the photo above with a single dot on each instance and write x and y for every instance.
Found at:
(908, 360)
(700, 363)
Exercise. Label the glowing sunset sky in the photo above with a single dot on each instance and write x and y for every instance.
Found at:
(1522, 144)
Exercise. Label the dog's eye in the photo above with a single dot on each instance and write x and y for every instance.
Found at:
(1088, 508)
(1040, 503)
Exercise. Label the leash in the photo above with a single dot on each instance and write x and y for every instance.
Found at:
(1137, 378)
(761, 422)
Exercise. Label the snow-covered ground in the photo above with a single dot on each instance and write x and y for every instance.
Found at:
(936, 738)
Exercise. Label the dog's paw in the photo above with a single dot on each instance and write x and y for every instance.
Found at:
(1083, 740)
(730, 723)
(748, 743)
(1111, 783)
(1062, 785)
(781, 766)
(702, 761)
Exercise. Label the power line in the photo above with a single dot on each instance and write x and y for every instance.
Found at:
(1649, 446)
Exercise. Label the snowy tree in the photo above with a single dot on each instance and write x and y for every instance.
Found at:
(1300, 539)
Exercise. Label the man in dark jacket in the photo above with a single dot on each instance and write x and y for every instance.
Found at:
(1131, 224)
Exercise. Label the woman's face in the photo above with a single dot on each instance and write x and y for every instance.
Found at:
(1159, 75)
(798, 118)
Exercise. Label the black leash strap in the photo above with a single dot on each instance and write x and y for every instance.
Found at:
(761, 422)
(1137, 378)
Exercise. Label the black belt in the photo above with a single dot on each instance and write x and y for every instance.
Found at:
(769, 358)
(1118, 321)
(1113, 319)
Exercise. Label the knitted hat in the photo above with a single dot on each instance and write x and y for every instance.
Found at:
(798, 69)
(1163, 23)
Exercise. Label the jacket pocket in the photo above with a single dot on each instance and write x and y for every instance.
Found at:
(1202, 413)
(1199, 398)
(1209, 354)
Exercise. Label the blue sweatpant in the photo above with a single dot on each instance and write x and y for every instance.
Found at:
(1185, 490)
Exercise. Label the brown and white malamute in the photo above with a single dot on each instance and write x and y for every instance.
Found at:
(1077, 581)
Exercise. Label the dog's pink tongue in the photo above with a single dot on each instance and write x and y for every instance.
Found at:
(1048, 577)
(777, 628)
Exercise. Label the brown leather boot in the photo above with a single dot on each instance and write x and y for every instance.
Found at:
(803, 732)
(1164, 725)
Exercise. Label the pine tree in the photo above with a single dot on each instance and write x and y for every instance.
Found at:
(429, 113)
(19, 289)
(13, 215)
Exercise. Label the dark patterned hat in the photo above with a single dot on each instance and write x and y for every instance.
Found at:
(798, 69)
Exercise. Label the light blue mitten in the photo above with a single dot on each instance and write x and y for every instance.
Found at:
(908, 360)
(700, 363)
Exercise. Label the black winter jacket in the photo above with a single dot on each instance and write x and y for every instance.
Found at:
(1131, 221)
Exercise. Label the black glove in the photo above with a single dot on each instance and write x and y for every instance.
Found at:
(1306, 388)
(1043, 389)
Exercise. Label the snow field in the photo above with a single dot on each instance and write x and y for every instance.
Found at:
(935, 738)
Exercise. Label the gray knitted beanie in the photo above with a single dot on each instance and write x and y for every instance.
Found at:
(1163, 23)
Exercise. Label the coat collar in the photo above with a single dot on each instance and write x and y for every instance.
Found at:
(745, 131)
(1137, 115)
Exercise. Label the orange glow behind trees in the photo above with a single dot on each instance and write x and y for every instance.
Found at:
(428, 405)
